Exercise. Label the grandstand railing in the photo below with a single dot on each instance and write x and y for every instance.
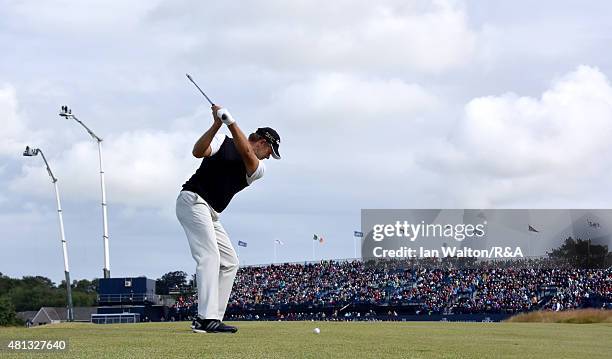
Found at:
(129, 298)
(115, 318)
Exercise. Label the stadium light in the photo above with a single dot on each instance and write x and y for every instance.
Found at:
(67, 114)
(31, 152)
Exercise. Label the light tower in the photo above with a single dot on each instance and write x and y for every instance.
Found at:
(67, 113)
(30, 152)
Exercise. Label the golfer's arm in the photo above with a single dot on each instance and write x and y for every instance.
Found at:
(251, 161)
(202, 146)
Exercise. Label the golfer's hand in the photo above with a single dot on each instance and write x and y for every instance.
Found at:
(223, 115)
(214, 109)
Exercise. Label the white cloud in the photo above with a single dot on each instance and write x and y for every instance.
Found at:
(516, 146)
(67, 15)
(142, 169)
(350, 102)
(535, 41)
(14, 129)
(347, 35)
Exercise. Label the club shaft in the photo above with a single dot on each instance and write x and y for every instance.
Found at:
(198, 87)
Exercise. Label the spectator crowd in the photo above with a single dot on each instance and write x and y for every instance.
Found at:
(354, 289)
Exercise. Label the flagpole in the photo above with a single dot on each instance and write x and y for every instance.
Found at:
(240, 259)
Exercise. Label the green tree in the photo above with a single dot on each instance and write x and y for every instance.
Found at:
(86, 286)
(32, 298)
(6, 284)
(7, 312)
(82, 299)
(36, 281)
(170, 280)
(582, 254)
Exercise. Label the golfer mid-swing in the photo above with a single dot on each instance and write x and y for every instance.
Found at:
(229, 165)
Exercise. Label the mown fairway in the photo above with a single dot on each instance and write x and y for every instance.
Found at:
(342, 340)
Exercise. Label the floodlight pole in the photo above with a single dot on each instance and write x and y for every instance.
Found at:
(34, 152)
(67, 113)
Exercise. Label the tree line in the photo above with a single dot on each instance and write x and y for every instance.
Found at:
(34, 292)
(582, 253)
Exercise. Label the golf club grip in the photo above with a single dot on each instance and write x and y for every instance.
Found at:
(224, 116)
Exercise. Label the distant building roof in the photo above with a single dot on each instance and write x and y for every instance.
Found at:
(57, 314)
(80, 313)
(46, 315)
(27, 315)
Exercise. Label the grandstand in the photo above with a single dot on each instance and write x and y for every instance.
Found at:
(409, 290)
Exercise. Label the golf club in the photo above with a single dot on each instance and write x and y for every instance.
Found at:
(202, 92)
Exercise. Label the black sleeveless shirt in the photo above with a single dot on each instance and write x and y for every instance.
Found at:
(219, 177)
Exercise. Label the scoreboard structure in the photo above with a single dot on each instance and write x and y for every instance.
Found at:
(139, 290)
(128, 297)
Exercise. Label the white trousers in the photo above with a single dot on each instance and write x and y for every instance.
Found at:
(216, 260)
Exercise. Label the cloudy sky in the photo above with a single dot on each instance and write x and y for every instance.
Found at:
(398, 104)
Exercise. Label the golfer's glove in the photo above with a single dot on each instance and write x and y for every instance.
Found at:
(225, 116)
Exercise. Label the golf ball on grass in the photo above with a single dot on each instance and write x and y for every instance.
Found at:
(316, 330)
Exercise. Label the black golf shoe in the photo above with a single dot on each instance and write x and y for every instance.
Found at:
(212, 326)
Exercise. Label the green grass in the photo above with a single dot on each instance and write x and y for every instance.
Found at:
(342, 340)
